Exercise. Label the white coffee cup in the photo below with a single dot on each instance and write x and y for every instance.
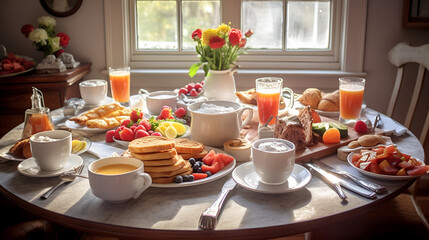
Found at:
(156, 100)
(118, 187)
(272, 164)
(51, 149)
(213, 129)
(93, 91)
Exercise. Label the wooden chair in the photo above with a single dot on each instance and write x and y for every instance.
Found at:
(399, 56)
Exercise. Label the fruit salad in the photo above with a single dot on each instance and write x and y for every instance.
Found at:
(388, 161)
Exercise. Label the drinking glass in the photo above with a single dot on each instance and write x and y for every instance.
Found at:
(268, 91)
(351, 96)
(120, 84)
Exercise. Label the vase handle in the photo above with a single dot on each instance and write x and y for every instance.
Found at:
(248, 118)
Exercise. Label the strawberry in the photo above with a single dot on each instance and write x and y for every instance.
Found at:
(193, 93)
(180, 112)
(360, 127)
(116, 134)
(126, 134)
(141, 133)
(199, 175)
(125, 122)
(139, 127)
(136, 115)
(190, 86)
(165, 113)
(165, 106)
(133, 128)
(183, 90)
(198, 86)
(146, 124)
(156, 134)
(109, 136)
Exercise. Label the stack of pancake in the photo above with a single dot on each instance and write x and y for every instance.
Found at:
(160, 158)
(190, 149)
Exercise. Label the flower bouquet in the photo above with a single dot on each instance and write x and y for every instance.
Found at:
(44, 36)
(218, 48)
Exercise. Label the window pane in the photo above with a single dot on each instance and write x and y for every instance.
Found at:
(156, 25)
(265, 18)
(308, 24)
(198, 14)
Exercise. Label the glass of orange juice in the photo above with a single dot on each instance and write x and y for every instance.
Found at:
(120, 84)
(351, 96)
(268, 90)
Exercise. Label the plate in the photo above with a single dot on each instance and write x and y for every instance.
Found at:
(227, 169)
(29, 168)
(329, 114)
(4, 154)
(246, 177)
(380, 176)
(22, 72)
(85, 139)
(74, 126)
(125, 143)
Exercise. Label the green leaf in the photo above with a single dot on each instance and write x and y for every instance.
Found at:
(206, 69)
(193, 69)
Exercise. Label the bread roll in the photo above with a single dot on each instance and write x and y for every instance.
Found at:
(330, 102)
(311, 97)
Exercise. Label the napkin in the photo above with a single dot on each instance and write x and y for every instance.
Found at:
(387, 124)
(104, 150)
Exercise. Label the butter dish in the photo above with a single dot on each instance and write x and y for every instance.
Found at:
(239, 148)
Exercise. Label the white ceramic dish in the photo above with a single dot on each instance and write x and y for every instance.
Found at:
(6, 156)
(227, 169)
(125, 143)
(329, 114)
(85, 139)
(246, 177)
(380, 176)
(28, 167)
(344, 151)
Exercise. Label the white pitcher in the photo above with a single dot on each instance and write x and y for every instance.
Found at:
(213, 129)
(220, 85)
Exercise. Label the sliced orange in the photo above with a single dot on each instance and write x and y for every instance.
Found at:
(331, 135)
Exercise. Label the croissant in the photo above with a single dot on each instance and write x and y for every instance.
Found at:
(330, 102)
(311, 97)
(106, 116)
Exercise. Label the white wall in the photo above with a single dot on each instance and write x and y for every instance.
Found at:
(86, 29)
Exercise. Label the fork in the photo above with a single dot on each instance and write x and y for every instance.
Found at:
(65, 178)
(208, 219)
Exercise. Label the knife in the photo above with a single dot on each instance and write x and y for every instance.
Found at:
(330, 179)
(363, 183)
(352, 187)
(208, 219)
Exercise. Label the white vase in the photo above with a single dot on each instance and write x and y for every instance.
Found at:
(220, 85)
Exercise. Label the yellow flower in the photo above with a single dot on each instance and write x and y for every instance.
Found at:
(223, 28)
(207, 34)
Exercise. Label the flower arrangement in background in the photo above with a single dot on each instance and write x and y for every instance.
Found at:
(44, 36)
(218, 48)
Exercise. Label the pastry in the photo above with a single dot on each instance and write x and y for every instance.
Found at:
(106, 117)
(21, 148)
(370, 140)
(311, 97)
(250, 97)
(330, 102)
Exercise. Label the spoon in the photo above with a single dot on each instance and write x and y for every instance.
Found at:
(269, 120)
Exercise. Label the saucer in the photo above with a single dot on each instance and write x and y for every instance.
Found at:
(246, 177)
(28, 167)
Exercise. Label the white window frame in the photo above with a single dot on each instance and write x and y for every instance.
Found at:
(346, 57)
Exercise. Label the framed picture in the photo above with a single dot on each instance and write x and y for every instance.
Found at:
(416, 14)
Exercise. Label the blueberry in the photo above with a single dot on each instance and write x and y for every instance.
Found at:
(178, 179)
(192, 161)
(191, 178)
(208, 173)
(195, 168)
(199, 170)
(185, 178)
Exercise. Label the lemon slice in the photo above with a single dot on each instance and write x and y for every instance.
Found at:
(180, 128)
(170, 133)
(78, 146)
(160, 130)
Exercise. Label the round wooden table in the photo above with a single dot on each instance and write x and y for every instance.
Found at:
(161, 213)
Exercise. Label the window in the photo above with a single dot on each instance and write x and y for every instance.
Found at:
(289, 35)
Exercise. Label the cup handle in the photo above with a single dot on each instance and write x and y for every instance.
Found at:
(143, 93)
(292, 99)
(248, 118)
(147, 182)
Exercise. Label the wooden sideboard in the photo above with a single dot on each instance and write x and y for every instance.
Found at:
(16, 91)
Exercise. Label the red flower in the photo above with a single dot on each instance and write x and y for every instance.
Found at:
(242, 43)
(197, 34)
(216, 42)
(27, 29)
(235, 36)
(249, 33)
(64, 39)
(58, 53)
